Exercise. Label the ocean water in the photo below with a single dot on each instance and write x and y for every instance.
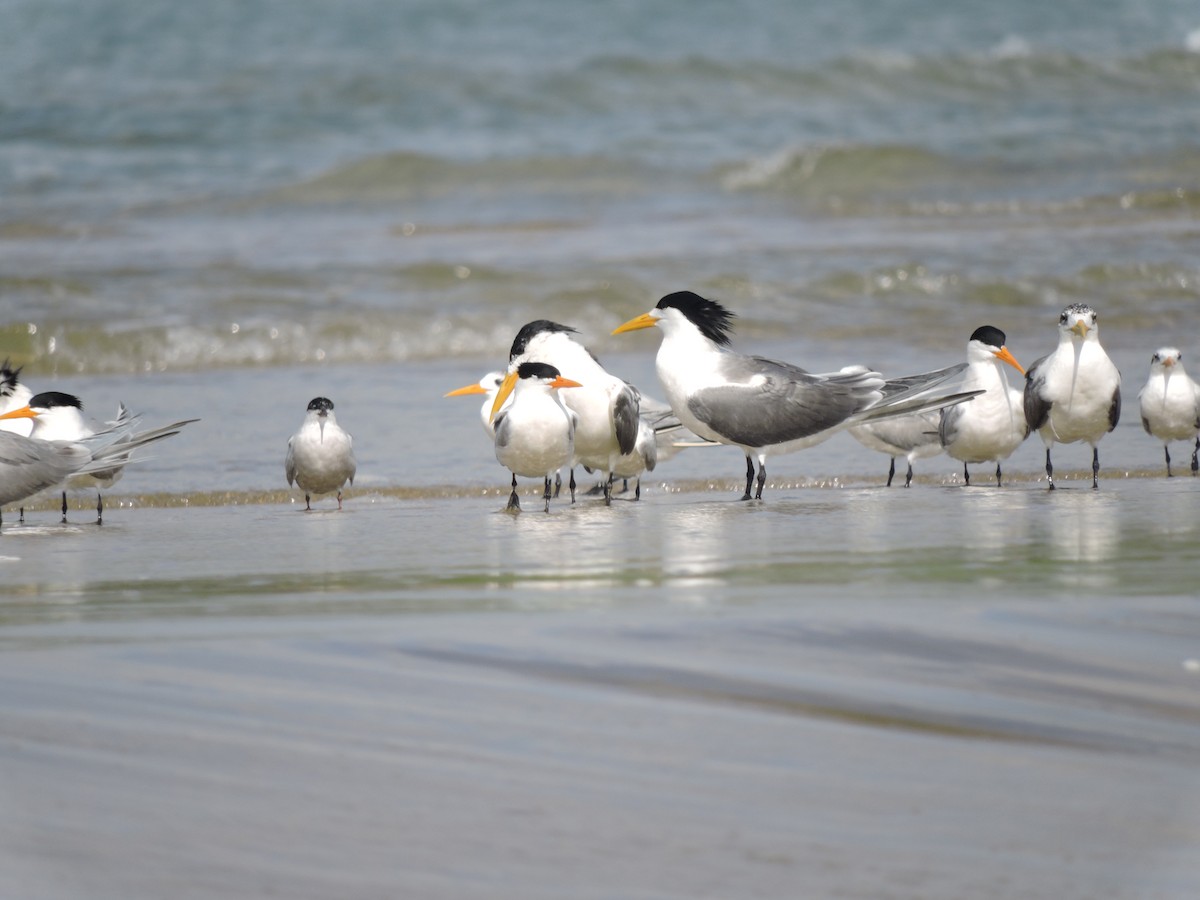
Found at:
(224, 209)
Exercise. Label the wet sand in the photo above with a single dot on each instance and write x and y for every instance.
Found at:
(841, 692)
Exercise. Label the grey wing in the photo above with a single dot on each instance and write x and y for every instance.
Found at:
(771, 403)
(1114, 411)
(948, 424)
(353, 459)
(289, 463)
(500, 428)
(626, 418)
(27, 465)
(1037, 408)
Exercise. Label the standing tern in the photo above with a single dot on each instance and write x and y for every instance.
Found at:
(762, 406)
(1074, 393)
(992, 426)
(913, 437)
(58, 416)
(29, 465)
(320, 455)
(607, 407)
(535, 435)
(1170, 403)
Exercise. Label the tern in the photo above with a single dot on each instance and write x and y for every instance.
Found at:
(535, 435)
(1074, 393)
(58, 416)
(762, 406)
(29, 465)
(320, 455)
(607, 407)
(488, 386)
(913, 437)
(992, 426)
(1170, 403)
(13, 395)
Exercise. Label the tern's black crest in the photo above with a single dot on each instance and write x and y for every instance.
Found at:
(537, 370)
(530, 331)
(1076, 308)
(986, 334)
(713, 320)
(9, 379)
(321, 404)
(52, 399)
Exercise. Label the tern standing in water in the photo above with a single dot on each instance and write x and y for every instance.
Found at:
(57, 416)
(1074, 393)
(535, 435)
(320, 456)
(913, 437)
(761, 406)
(1170, 403)
(992, 426)
(608, 408)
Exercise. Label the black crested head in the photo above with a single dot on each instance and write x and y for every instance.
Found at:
(530, 331)
(537, 370)
(322, 405)
(9, 378)
(713, 320)
(53, 399)
(986, 334)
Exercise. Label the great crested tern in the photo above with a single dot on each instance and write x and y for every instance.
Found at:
(487, 386)
(608, 407)
(535, 434)
(1074, 393)
(1170, 403)
(30, 465)
(762, 406)
(912, 437)
(992, 426)
(58, 416)
(320, 455)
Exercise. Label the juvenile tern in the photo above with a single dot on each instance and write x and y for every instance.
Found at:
(58, 416)
(607, 407)
(535, 435)
(913, 437)
(992, 426)
(1170, 403)
(1074, 393)
(29, 465)
(762, 406)
(320, 455)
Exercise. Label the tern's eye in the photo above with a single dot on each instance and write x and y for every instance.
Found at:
(1062, 320)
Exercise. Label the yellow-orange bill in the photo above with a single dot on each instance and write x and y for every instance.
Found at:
(1003, 354)
(23, 413)
(645, 320)
(506, 388)
(469, 389)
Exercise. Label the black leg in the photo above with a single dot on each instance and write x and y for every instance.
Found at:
(762, 479)
(99, 509)
(546, 493)
(1167, 454)
(999, 483)
(637, 491)
(908, 477)
(21, 512)
(891, 472)
(1195, 452)
(608, 490)
(557, 483)
(1095, 468)
(514, 502)
(1049, 469)
(571, 485)
(307, 501)
(749, 477)
(966, 475)
(339, 498)
(64, 507)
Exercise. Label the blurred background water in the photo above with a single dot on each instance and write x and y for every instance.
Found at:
(217, 185)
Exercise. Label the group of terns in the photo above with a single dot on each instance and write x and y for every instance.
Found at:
(555, 406)
(46, 445)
